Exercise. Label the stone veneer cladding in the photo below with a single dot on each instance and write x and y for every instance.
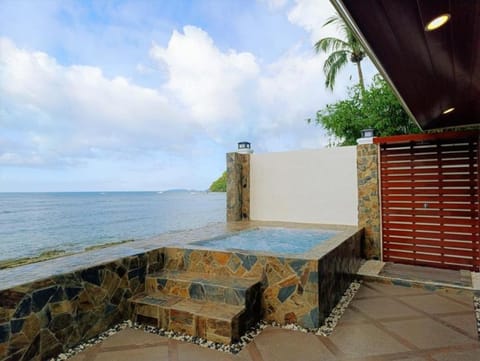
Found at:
(294, 290)
(369, 199)
(238, 187)
(41, 319)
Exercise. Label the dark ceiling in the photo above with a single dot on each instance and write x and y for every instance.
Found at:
(431, 71)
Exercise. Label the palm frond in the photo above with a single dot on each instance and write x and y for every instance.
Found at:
(333, 64)
(331, 44)
(340, 50)
(331, 20)
(341, 25)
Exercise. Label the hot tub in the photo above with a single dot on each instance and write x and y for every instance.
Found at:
(304, 270)
(275, 240)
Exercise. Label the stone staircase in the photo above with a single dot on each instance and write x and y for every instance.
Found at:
(217, 308)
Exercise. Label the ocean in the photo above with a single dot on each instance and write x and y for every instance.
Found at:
(31, 223)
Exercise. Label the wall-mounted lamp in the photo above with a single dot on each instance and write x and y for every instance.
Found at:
(368, 133)
(367, 136)
(244, 148)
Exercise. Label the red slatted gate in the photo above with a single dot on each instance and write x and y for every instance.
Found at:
(430, 200)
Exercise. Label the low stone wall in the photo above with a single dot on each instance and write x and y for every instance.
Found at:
(41, 319)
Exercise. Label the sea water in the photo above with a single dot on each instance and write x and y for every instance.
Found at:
(31, 223)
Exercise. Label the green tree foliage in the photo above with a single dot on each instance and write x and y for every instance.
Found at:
(376, 107)
(340, 51)
(220, 185)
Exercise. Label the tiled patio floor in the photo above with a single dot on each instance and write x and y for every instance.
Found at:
(382, 323)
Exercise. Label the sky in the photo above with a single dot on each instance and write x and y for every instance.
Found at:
(117, 95)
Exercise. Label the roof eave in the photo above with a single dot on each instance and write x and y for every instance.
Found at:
(344, 13)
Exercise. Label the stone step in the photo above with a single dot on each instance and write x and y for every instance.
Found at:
(207, 287)
(217, 322)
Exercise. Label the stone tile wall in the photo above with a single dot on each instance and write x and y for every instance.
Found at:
(369, 199)
(41, 319)
(336, 270)
(238, 187)
(295, 290)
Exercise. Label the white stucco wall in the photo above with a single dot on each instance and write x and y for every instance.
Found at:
(311, 186)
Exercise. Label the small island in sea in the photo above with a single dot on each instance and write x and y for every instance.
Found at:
(220, 185)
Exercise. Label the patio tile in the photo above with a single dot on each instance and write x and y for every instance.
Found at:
(365, 340)
(382, 336)
(466, 323)
(366, 291)
(469, 355)
(464, 298)
(433, 303)
(427, 333)
(278, 345)
(391, 290)
(351, 315)
(138, 354)
(132, 337)
(189, 352)
(384, 307)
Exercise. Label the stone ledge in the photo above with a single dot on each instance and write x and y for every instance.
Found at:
(371, 268)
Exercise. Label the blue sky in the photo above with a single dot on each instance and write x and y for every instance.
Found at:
(150, 95)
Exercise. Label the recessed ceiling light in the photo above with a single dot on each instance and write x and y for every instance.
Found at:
(437, 22)
(449, 110)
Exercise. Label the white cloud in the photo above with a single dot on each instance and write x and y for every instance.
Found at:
(290, 91)
(311, 15)
(71, 109)
(58, 115)
(167, 112)
(207, 81)
(63, 115)
(275, 4)
(234, 97)
(291, 85)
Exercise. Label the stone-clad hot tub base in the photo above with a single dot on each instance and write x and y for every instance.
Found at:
(301, 290)
(41, 318)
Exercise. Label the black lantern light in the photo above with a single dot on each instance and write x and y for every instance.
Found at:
(244, 148)
(368, 133)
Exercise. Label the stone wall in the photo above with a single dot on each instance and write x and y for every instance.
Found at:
(295, 290)
(41, 319)
(337, 270)
(369, 199)
(238, 187)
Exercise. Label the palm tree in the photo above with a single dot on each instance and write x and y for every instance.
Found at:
(340, 52)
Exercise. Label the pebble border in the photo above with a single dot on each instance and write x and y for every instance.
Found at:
(476, 307)
(325, 330)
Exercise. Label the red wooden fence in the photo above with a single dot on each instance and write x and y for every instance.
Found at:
(430, 199)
